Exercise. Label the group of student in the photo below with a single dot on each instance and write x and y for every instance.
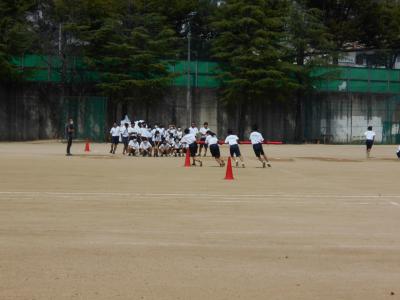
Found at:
(139, 138)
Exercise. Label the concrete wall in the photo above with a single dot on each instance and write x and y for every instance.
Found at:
(28, 113)
(344, 117)
(35, 112)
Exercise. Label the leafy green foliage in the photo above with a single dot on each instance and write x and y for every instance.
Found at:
(15, 36)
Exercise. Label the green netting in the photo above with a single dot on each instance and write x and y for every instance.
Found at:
(90, 115)
(391, 125)
(203, 75)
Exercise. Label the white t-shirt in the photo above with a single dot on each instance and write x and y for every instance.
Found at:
(177, 145)
(232, 139)
(203, 131)
(131, 130)
(256, 138)
(188, 139)
(124, 131)
(211, 140)
(133, 144)
(369, 134)
(179, 134)
(398, 149)
(194, 130)
(115, 131)
(145, 145)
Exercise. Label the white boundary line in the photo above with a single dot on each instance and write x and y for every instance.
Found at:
(231, 196)
(395, 203)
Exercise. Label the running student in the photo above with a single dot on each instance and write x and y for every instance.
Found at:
(212, 141)
(115, 133)
(233, 141)
(398, 152)
(256, 140)
(369, 140)
(203, 136)
(189, 140)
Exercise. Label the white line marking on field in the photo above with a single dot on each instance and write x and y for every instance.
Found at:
(395, 203)
(183, 195)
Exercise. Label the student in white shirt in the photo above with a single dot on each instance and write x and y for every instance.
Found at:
(189, 142)
(233, 141)
(164, 148)
(177, 148)
(179, 133)
(115, 133)
(369, 140)
(194, 130)
(212, 141)
(133, 147)
(145, 147)
(257, 140)
(398, 152)
(156, 142)
(124, 131)
(203, 136)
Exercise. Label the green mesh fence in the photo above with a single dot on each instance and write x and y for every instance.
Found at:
(203, 75)
(391, 125)
(89, 114)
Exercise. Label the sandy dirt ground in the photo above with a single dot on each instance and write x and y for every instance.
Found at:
(322, 223)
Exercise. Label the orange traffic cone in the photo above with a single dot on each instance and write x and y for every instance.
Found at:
(229, 172)
(187, 159)
(87, 146)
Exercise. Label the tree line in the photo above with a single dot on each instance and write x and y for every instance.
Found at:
(266, 49)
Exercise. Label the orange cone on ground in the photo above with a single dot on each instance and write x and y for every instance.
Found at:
(229, 172)
(87, 147)
(187, 159)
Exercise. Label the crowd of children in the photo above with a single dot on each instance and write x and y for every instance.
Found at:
(141, 139)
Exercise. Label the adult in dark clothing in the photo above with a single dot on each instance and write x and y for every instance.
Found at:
(69, 130)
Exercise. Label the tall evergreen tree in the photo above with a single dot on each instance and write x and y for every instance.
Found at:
(129, 48)
(249, 46)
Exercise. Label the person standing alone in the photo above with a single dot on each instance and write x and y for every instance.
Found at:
(69, 131)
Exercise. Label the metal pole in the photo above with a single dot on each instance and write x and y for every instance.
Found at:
(188, 92)
(59, 39)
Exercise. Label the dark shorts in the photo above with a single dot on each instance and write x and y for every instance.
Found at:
(203, 144)
(234, 150)
(214, 149)
(398, 154)
(369, 144)
(125, 141)
(193, 149)
(115, 140)
(258, 149)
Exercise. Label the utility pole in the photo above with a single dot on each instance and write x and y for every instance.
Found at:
(189, 77)
(188, 87)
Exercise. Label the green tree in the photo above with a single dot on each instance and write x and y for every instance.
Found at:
(381, 31)
(249, 44)
(308, 45)
(130, 48)
(15, 36)
(345, 20)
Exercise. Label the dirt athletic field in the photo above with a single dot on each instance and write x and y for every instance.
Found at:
(322, 223)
